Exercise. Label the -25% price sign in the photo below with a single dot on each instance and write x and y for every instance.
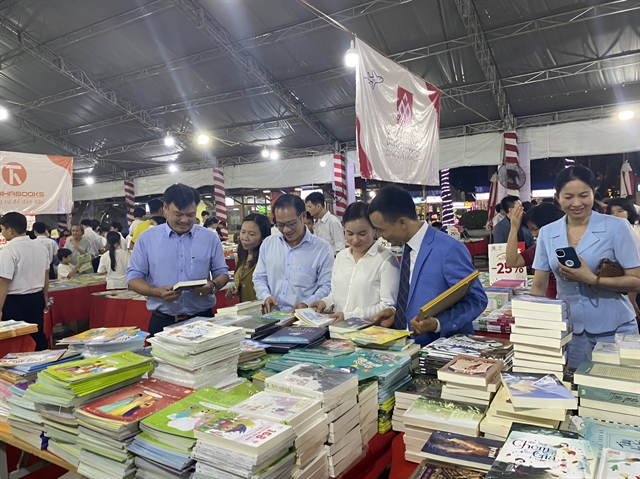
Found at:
(498, 268)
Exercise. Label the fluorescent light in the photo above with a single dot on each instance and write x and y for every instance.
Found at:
(274, 155)
(116, 204)
(323, 163)
(264, 153)
(266, 191)
(298, 189)
(169, 140)
(351, 57)
(4, 114)
(623, 115)
(173, 168)
(89, 180)
(203, 139)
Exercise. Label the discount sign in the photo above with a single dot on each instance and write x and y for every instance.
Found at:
(498, 268)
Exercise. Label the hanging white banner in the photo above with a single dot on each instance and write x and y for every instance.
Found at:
(397, 121)
(35, 184)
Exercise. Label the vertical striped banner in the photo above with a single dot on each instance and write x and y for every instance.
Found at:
(63, 222)
(511, 154)
(448, 215)
(219, 197)
(339, 185)
(130, 200)
(493, 200)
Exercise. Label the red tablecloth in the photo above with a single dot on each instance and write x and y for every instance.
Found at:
(231, 264)
(72, 304)
(113, 312)
(492, 335)
(19, 344)
(477, 248)
(400, 467)
(376, 460)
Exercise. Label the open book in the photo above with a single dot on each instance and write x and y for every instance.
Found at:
(447, 299)
(187, 285)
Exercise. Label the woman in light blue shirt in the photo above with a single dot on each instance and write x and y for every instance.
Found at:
(595, 316)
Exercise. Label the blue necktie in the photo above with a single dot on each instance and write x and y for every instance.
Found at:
(403, 290)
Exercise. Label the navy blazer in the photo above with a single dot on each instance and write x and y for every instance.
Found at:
(442, 262)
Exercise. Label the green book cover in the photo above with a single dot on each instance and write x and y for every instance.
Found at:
(182, 417)
(246, 390)
(93, 368)
(367, 364)
(442, 411)
(614, 397)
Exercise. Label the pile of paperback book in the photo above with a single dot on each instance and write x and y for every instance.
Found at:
(100, 341)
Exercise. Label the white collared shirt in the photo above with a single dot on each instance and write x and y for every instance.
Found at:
(115, 279)
(25, 262)
(330, 229)
(94, 238)
(50, 245)
(365, 288)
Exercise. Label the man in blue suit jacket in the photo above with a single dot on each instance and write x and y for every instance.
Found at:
(432, 262)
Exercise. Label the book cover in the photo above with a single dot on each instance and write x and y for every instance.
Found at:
(296, 335)
(618, 378)
(615, 463)
(92, 368)
(309, 316)
(276, 407)
(249, 345)
(431, 471)
(468, 369)
(614, 397)
(305, 377)
(532, 388)
(543, 431)
(425, 386)
(196, 333)
(332, 346)
(256, 323)
(442, 411)
(469, 345)
(98, 335)
(182, 417)
(534, 455)
(376, 335)
(451, 447)
(448, 298)
(31, 358)
(606, 353)
(138, 401)
(540, 303)
(351, 324)
(603, 434)
(367, 364)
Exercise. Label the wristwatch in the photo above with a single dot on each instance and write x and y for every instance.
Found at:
(214, 290)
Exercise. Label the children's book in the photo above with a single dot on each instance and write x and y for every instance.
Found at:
(616, 463)
(542, 457)
(276, 407)
(603, 434)
(473, 452)
(196, 333)
(296, 335)
(32, 358)
(309, 317)
(84, 261)
(376, 335)
(531, 390)
(97, 335)
(367, 364)
(92, 368)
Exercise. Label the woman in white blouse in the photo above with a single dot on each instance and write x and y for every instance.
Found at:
(366, 275)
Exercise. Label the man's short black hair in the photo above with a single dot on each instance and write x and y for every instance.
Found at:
(393, 203)
(95, 225)
(39, 227)
(437, 225)
(508, 202)
(117, 225)
(63, 253)
(205, 213)
(289, 201)
(181, 196)
(86, 222)
(316, 198)
(155, 205)
(16, 221)
(139, 212)
(160, 220)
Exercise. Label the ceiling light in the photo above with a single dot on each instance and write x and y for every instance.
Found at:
(207, 196)
(203, 139)
(626, 115)
(116, 204)
(169, 140)
(266, 191)
(265, 152)
(89, 180)
(323, 163)
(351, 57)
(4, 114)
(298, 189)
(274, 155)
(372, 194)
(173, 168)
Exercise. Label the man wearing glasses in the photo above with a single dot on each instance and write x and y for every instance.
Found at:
(294, 268)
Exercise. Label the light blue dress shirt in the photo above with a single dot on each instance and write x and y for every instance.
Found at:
(293, 275)
(163, 258)
(605, 237)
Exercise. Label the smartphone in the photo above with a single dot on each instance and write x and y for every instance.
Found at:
(568, 257)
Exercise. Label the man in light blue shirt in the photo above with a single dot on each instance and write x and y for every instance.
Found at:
(294, 267)
(175, 252)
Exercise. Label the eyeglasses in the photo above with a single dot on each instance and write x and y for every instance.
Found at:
(291, 224)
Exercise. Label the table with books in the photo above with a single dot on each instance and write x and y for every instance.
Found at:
(72, 300)
(15, 336)
(477, 247)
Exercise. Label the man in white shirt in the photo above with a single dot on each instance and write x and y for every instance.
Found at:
(327, 227)
(40, 230)
(24, 276)
(117, 227)
(92, 236)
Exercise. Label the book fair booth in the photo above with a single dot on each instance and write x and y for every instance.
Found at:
(108, 108)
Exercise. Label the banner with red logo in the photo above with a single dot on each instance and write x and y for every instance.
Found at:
(35, 184)
(397, 121)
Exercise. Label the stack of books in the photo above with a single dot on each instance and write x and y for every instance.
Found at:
(235, 445)
(197, 354)
(164, 446)
(284, 319)
(338, 393)
(538, 455)
(247, 308)
(438, 353)
(101, 341)
(368, 401)
(308, 317)
(472, 453)
(528, 398)
(251, 350)
(608, 392)
(107, 426)
(349, 325)
(495, 320)
(320, 355)
(420, 385)
(540, 334)
(629, 347)
(12, 328)
(428, 470)
(301, 413)
(28, 365)
(377, 337)
(5, 393)
(257, 327)
(24, 420)
(251, 368)
(427, 415)
(292, 337)
(471, 380)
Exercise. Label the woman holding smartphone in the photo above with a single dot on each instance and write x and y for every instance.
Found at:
(596, 316)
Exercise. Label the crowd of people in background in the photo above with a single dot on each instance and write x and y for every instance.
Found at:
(307, 257)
